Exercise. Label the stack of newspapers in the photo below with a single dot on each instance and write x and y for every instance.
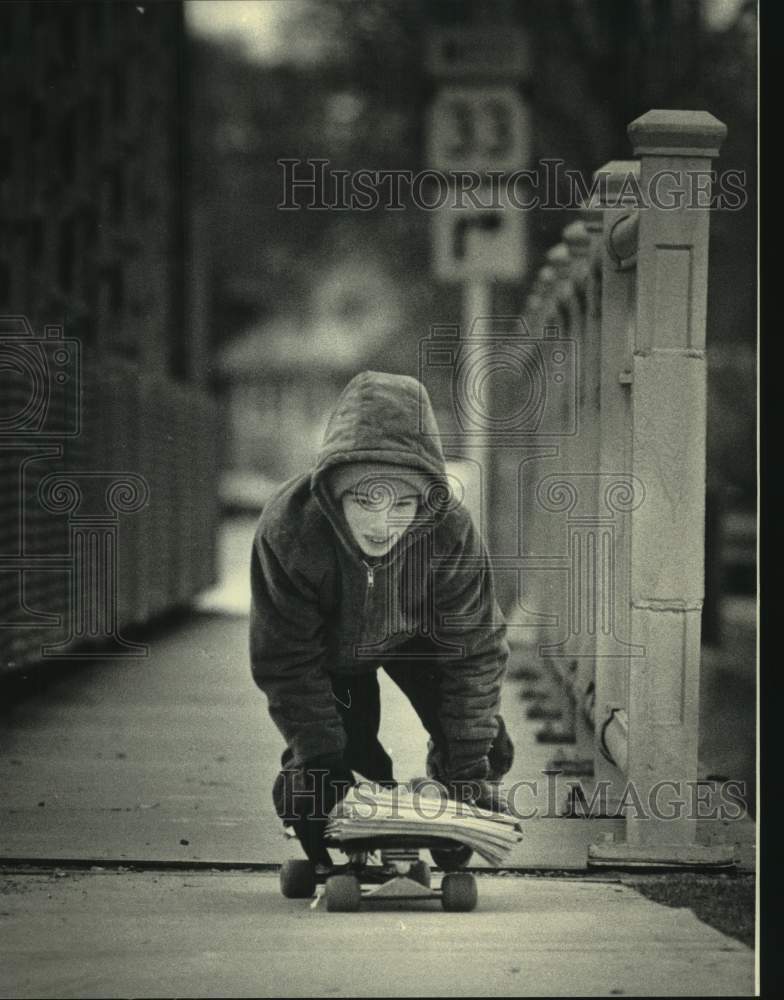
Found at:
(369, 812)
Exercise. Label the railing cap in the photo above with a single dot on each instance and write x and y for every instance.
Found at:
(616, 174)
(592, 215)
(545, 276)
(594, 219)
(577, 237)
(559, 254)
(664, 132)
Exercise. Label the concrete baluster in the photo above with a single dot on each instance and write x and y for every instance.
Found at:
(536, 582)
(577, 653)
(578, 240)
(544, 530)
(559, 258)
(540, 309)
(667, 387)
(618, 290)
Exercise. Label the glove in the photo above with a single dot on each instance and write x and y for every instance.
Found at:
(479, 792)
(501, 754)
(464, 761)
(473, 762)
(332, 778)
(311, 790)
(476, 758)
(468, 759)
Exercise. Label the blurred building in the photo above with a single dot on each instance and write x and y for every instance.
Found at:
(282, 378)
(101, 292)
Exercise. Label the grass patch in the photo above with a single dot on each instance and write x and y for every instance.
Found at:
(724, 901)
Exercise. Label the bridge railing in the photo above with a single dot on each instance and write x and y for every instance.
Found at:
(112, 508)
(619, 505)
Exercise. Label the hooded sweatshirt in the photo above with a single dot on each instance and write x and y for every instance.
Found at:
(321, 606)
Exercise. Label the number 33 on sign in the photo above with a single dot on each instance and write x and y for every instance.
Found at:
(478, 128)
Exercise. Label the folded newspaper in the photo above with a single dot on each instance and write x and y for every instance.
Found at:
(368, 812)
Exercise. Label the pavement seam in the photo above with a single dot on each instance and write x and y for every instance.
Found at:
(121, 866)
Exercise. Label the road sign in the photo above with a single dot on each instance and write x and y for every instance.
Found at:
(471, 242)
(490, 53)
(482, 127)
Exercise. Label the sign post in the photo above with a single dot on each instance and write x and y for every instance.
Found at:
(478, 134)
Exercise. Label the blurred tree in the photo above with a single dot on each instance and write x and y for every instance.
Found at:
(596, 65)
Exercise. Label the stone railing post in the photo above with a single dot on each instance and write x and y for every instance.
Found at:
(560, 259)
(666, 441)
(539, 310)
(616, 308)
(579, 669)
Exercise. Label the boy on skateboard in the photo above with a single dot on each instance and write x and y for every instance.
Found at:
(370, 560)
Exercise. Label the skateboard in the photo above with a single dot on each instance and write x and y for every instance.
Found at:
(401, 875)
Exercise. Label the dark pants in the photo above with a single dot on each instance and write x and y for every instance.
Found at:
(360, 709)
(359, 704)
(357, 700)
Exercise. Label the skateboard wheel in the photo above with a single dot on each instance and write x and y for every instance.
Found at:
(343, 894)
(451, 859)
(297, 879)
(458, 892)
(420, 872)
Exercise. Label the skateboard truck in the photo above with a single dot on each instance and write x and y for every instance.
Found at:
(402, 875)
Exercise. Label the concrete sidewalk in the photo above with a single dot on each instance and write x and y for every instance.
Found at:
(169, 760)
(172, 757)
(233, 935)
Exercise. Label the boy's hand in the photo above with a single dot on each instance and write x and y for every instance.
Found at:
(336, 781)
(468, 759)
(311, 790)
(468, 771)
(501, 753)
(485, 794)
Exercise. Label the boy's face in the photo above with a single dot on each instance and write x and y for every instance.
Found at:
(378, 514)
